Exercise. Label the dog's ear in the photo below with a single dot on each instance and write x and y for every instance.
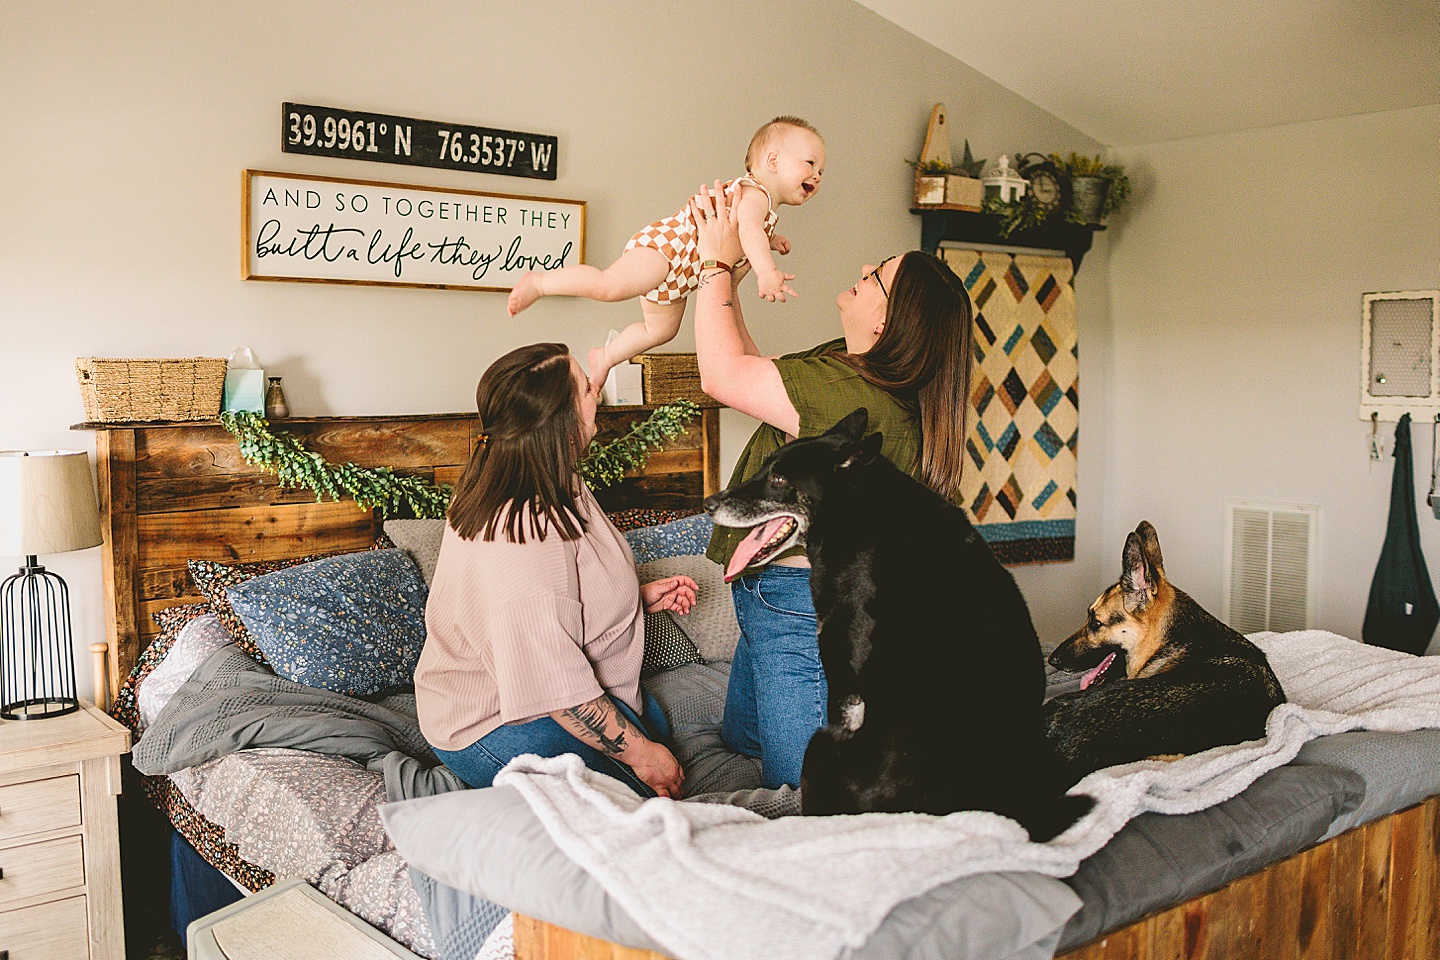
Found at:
(863, 452)
(1150, 543)
(1137, 577)
(852, 427)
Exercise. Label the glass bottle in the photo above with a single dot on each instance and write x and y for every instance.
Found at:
(276, 408)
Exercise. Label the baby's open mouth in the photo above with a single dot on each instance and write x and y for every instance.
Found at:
(807, 188)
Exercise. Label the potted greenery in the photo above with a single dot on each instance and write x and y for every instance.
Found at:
(929, 181)
(1098, 188)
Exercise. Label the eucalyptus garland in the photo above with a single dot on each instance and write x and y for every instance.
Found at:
(286, 458)
(606, 465)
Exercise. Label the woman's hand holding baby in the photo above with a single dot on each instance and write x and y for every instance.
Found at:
(672, 593)
(717, 235)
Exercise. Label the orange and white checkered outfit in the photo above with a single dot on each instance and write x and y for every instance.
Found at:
(675, 238)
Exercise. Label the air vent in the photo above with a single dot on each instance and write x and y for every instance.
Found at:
(1270, 565)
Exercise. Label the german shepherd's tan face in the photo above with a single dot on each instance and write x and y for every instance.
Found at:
(1130, 617)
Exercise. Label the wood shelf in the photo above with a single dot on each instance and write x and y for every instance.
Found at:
(939, 223)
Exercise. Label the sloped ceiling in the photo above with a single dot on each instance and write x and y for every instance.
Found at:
(1129, 72)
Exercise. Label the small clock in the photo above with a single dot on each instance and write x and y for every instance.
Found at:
(1049, 187)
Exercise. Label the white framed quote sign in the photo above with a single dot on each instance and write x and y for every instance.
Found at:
(330, 230)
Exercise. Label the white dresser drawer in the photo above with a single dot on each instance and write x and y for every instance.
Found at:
(33, 869)
(39, 805)
(50, 931)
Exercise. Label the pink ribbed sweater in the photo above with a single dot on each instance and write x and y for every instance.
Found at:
(517, 630)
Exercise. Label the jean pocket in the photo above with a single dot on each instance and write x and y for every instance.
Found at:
(788, 600)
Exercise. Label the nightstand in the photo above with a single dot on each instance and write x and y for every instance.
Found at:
(60, 837)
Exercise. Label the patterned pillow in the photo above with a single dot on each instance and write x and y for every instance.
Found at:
(353, 623)
(666, 645)
(684, 537)
(213, 578)
(194, 643)
(170, 620)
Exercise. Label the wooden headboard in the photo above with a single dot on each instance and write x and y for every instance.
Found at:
(172, 492)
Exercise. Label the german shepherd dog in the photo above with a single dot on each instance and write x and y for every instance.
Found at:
(1164, 678)
(935, 674)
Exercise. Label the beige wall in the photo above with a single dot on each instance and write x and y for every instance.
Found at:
(125, 128)
(1236, 292)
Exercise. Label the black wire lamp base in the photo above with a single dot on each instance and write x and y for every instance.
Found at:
(37, 653)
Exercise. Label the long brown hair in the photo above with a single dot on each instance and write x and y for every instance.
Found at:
(922, 357)
(530, 440)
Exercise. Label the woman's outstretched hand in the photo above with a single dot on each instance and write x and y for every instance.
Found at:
(672, 593)
(717, 224)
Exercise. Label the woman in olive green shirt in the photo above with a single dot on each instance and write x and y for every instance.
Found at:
(905, 357)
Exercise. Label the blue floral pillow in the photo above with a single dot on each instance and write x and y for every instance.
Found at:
(352, 623)
(678, 538)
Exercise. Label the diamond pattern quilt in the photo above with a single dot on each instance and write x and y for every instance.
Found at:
(1023, 416)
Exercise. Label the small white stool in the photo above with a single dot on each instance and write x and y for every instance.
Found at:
(289, 921)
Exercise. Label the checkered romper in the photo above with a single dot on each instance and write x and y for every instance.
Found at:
(675, 238)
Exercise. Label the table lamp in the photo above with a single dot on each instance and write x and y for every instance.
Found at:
(47, 505)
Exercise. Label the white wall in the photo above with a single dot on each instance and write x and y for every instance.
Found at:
(1236, 310)
(125, 128)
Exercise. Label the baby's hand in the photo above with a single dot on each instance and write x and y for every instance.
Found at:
(773, 286)
(779, 244)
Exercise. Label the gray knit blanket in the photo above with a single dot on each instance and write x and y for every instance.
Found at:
(232, 703)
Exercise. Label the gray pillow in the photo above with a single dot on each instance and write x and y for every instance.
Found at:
(711, 623)
(489, 844)
(1157, 860)
(421, 539)
(1399, 769)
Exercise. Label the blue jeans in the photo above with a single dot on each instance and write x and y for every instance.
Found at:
(777, 695)
(478, 763)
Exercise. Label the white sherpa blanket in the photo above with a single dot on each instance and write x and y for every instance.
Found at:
(712, 882)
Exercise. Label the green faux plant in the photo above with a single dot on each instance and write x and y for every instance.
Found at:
(285, 457)
(1076, 165)
(1016, 215)
(930, 168)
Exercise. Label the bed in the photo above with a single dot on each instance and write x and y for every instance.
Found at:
(171, 493)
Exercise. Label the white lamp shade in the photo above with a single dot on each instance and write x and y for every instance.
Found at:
(47, 503)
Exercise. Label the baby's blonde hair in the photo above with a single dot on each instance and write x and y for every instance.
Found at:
(769, 133)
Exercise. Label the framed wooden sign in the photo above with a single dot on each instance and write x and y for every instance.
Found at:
(329, 230)
(385, 138)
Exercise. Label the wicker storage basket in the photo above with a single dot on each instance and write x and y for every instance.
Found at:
(179, 388)
(667, 377)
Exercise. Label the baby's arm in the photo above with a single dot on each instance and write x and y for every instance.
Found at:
(753, 209)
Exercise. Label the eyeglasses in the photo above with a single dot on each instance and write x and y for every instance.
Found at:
(875, 275)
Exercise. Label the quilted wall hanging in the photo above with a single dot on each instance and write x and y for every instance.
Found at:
(1024, 414)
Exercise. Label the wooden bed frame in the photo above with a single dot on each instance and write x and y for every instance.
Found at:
(173, 492)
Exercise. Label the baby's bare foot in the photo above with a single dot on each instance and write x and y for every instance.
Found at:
(525, 292)
(598, 365)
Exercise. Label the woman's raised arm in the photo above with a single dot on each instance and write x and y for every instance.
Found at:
(728, 372)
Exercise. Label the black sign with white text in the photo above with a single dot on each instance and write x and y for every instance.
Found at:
(356, 135)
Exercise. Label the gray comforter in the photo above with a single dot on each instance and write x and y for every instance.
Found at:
(232, 703)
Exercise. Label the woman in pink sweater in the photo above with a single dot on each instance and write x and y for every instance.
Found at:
(535, 622)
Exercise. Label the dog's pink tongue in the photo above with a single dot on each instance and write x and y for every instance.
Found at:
(750, 546)
(1093, 675)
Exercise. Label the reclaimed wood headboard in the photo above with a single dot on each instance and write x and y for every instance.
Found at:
(172, 492)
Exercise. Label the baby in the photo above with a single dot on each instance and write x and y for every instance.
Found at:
(783, 166)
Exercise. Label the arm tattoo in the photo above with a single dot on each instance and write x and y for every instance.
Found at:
(727, 303)
(599, 724)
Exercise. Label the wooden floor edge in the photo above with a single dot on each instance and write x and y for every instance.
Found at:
(1371, 893)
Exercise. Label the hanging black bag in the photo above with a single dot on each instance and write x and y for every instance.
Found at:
(1402, 612)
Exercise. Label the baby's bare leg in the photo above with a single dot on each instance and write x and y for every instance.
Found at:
(660, 324)
(638, 271)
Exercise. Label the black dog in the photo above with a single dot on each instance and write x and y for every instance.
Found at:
(1165, 677)
(935, 674)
